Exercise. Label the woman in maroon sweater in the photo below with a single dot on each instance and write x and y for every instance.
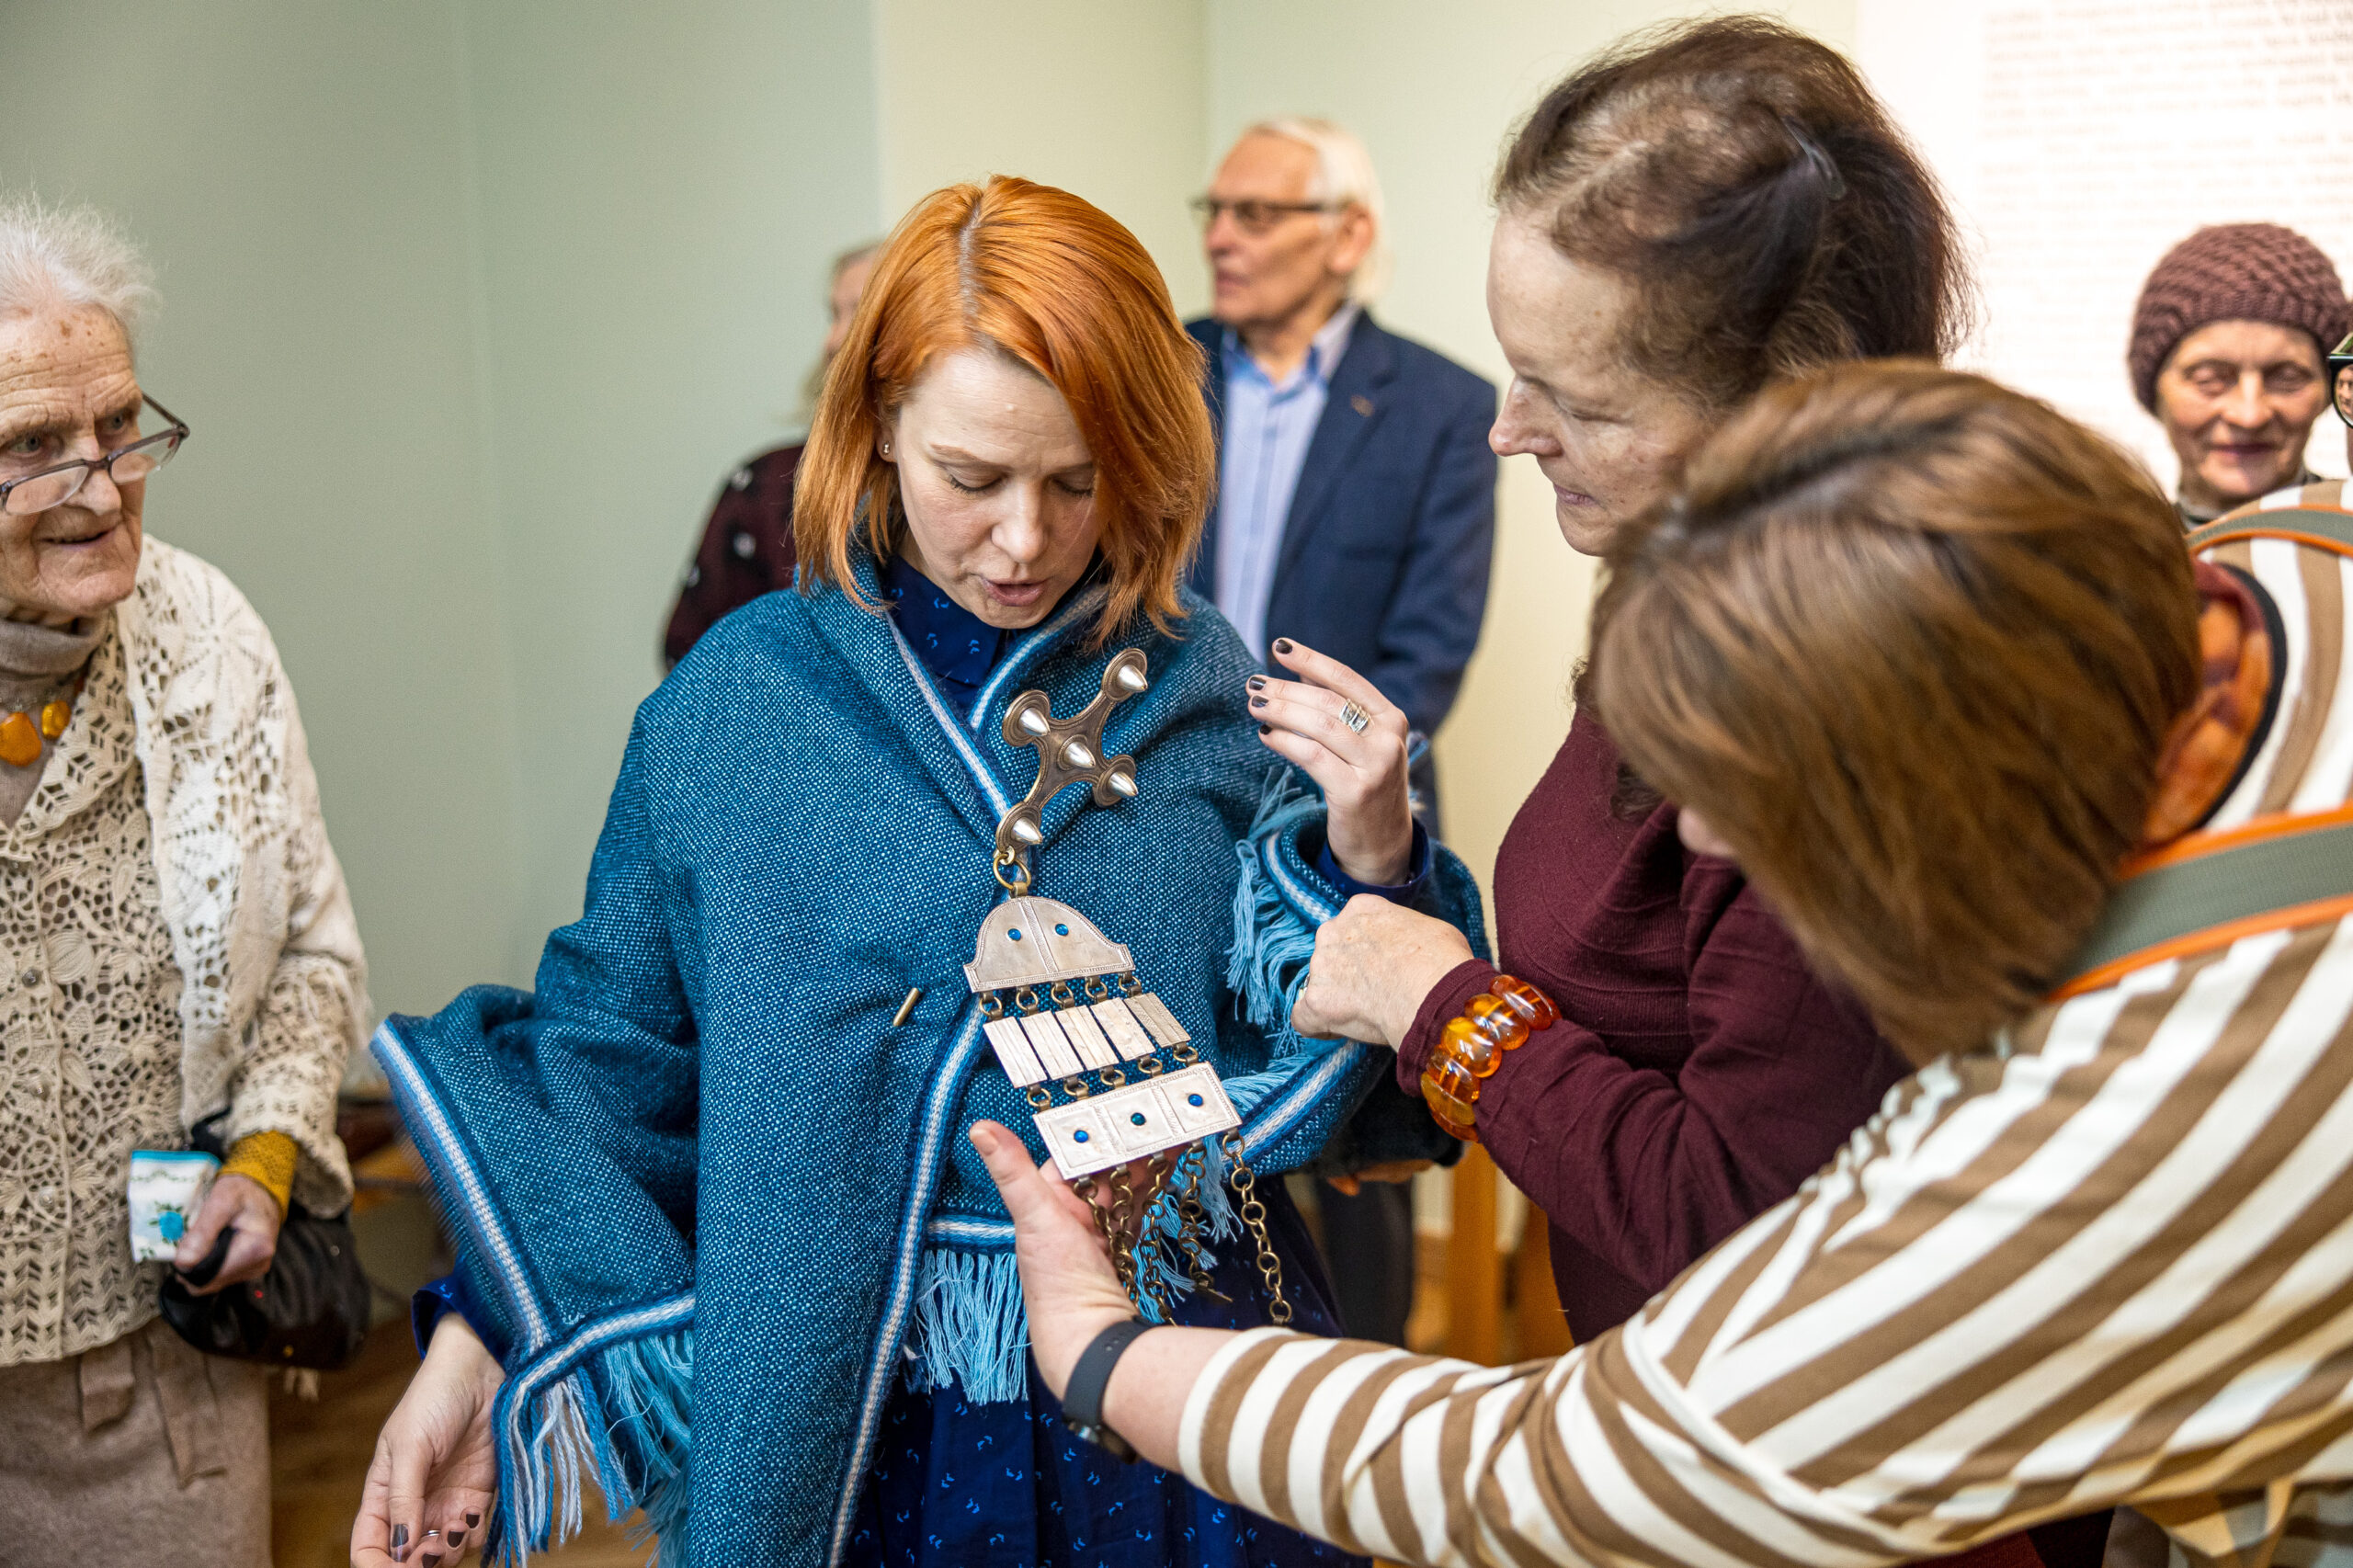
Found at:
(1679, 223)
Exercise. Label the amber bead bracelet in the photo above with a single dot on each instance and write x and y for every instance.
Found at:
(1471, 1047)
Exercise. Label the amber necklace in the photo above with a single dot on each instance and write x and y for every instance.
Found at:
(25, 730)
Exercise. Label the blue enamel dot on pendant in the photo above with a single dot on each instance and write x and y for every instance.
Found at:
(1192, 1099)
(1062, 930)
(1136, 1116)
(1079, 1136)
(1015, 933)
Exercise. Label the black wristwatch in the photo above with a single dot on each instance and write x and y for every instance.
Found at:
(1083, 1398)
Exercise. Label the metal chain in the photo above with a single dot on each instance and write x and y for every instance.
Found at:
(1122, 1221)
(1148, 1242)
(1112, 1242)
(1254, 1214)
(1192, 1218)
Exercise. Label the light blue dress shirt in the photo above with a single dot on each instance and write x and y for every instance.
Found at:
(1267, 428)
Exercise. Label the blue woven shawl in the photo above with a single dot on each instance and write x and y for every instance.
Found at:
(710, 1199)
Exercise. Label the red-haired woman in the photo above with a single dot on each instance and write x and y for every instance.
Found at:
(720, 1236)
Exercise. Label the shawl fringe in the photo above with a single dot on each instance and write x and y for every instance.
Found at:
(969, 1328)
(1272, 940)
(636, 1436)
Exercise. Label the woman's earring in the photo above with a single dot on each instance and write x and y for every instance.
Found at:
(886, 448)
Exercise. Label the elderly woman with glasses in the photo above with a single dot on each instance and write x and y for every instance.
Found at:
(177, 946)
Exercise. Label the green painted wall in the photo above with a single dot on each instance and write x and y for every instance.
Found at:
(662, 189)
(296, 172)
(1101, 97)
(471, 304)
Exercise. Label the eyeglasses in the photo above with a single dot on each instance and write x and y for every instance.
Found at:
(2340, 377)
(124, 465)
(1253, 217)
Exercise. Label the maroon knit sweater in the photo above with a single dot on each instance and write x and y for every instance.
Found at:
(1699, 1072)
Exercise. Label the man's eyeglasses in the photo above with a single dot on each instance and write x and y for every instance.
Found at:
(2340, 378)
(54, 486)
(1253, 217)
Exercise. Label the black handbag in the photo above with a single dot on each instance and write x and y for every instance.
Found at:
(310, 1309)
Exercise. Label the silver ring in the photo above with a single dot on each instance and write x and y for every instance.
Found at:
(1354, 717)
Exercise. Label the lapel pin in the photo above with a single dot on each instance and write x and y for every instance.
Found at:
(1362, 405)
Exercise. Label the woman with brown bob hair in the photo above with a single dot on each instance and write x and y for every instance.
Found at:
(2070, 808)
(1918, 647)
(719, 1236)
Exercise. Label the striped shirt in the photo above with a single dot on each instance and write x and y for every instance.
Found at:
(2109, 1259)
(1267, 430)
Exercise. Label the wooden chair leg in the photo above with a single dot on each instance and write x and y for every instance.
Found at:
(1474, 1270)
(1537, 1304)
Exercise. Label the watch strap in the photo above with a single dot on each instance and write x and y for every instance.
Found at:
(1083, 1395)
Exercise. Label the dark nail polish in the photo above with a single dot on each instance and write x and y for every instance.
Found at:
(431, 1559)
(1257, 683)
(456, 1538)
(1265, 729)
(1258, 702)
(1283, 645)
(400, 1543)
(472, 1519)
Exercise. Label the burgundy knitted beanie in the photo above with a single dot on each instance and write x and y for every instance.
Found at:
(2233, 272)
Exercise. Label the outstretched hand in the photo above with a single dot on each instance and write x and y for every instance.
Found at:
(1073, 1295)
(1067, 1276)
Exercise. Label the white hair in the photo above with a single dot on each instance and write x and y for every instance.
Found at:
(53, 257)
(1343, 178)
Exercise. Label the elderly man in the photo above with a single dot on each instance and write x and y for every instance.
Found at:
(1355, 496)
(2227, 341)
(1355, 506)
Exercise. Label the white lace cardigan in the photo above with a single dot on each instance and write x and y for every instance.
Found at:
(261, 922)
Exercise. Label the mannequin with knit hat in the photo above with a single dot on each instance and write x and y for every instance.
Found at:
(2227, 345)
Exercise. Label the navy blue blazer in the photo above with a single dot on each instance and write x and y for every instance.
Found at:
(1384, 551)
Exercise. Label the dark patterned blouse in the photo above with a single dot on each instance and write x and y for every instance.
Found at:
(747, 550)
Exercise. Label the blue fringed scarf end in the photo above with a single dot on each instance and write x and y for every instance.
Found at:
(968, 1327)
(1272, 939)
(624, 1412)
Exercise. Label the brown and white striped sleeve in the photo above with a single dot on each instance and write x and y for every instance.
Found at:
(2113, 1261)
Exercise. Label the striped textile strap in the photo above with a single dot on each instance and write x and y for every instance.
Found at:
(2330, 530)
(2211, 889)
(2292, 872)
